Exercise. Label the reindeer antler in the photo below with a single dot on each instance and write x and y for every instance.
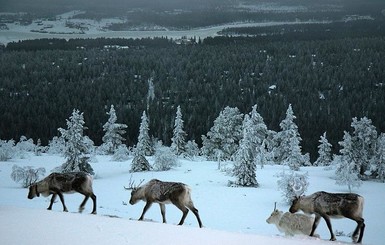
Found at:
(298, 186)
(132, 185)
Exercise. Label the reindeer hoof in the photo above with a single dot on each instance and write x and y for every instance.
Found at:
(333, 239)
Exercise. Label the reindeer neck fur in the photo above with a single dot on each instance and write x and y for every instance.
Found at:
(307, 203)
(42, 187)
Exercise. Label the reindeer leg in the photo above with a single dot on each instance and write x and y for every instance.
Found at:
(146, 207)
(315, 224)
(183, 209)
(52, 201)
(359, 229)
(81, 207)
(329, 224)
(93, 197)
(163, 211)
(62, 201)
(196, 213)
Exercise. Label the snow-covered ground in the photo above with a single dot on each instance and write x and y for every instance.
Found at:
(229, 215)
(66, 26)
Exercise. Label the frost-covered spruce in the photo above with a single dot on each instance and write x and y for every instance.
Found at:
(324, 152)
(140, 164)
(223, 137)
(113, 132)
(244, 166)
(77, 146)
(178, 145)
(144, 146)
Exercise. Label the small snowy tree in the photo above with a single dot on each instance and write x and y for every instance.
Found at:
(77, 146)
(178, 139)
(23, 146)
(192, 149)
(26, 175)
(324, 152)
(144, 145)
(121, 153)
(244, 165)
(288, 151)
(39, 149)
(223, 138)
(7, 150)
(140, 164)
(56, 145)
(112, 138)
(347, 171)
(262, 157)
(165, 158)
(292, 184)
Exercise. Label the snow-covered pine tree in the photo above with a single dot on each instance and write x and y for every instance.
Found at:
(192, 149)
(259, 128)
(144, 146)
(78, 146)
(262, 157)
(347, 171)
(140, 164)
(378, 161)
(288, 150)
(324, 152)
(178, 139)
(224, 135)
(112, 138)
(258, 132)
(244, 166)
(364, 139)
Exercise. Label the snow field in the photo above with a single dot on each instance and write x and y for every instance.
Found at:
(229, 215)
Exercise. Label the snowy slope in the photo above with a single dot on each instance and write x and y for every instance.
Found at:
(230, 215)
(32, 226)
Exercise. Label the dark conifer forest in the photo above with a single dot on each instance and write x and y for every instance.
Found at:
(328, 82)
(328, 72)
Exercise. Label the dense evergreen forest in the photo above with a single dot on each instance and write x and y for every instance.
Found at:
(328, 82)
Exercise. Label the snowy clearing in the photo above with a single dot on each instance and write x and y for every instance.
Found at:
(229, 215)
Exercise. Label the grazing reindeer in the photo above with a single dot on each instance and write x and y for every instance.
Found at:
(164, 193)
(332, 205)
(59, 183)
(291, 224)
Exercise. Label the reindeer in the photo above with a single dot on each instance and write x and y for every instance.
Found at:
(332, 205)
(291, 224)
(156, 191)
(59, 183)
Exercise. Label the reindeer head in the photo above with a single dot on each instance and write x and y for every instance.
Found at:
(295, 204)
(33, 191)
(136, 193)
(275, 215)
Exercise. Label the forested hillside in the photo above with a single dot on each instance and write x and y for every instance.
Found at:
(328, 82)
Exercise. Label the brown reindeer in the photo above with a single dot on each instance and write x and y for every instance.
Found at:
(156, 191)
(59, 183)
(332, 205)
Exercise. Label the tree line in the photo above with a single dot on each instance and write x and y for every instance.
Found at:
(327, 82)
